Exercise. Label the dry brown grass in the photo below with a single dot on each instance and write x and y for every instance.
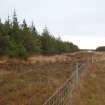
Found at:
(31, 82)
(92, 89)
(39, 59)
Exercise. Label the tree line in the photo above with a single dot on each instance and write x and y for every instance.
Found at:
(100, 48)
(21, 40)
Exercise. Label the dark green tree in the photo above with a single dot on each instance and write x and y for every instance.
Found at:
(101, 48)
(4, 38)
(22, 41)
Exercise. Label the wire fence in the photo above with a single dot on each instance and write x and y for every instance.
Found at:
(64, 94)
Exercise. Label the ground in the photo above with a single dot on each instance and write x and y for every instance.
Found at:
(33, 81)
(92, 88)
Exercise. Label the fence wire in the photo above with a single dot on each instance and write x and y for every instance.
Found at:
(64, 94)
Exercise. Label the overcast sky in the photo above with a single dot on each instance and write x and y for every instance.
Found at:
(79, 21)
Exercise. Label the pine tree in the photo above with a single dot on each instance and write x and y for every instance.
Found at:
(48, 42)
(15, 22)
(4, 39)
(7, 27)
(22, 41)
(36, 38)
(29, 39)
(1, 27)
(16, 48)
(16, 32)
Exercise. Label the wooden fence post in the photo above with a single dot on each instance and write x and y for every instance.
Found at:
(92, 60)
(77, 74)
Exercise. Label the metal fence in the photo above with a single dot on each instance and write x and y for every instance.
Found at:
(64, 94)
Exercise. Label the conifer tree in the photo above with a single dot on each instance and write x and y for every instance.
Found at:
(22, 41)
(16, 33)
(36, 38)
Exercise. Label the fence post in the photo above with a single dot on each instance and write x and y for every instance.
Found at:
(77, 74)
(92, 60)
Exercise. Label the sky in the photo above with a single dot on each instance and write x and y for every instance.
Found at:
(79, 21)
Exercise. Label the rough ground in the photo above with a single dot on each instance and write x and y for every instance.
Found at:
(31, 82)
(92, 88)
